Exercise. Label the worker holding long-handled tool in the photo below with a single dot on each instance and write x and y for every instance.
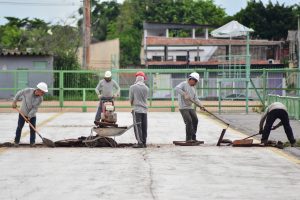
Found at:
(31, 99)
(138, 94)
(186, 92)
(275, 111)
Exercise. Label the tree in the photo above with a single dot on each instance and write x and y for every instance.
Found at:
(269, 22)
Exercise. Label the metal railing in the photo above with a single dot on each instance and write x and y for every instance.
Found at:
(76, 89)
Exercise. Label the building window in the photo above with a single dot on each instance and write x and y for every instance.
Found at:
(197, 58)
(40, 65)
(181, 58)
(157, 58)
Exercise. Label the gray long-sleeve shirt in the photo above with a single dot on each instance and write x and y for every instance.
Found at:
(138, 95)
(181, 89)
(273, 106)
(30, 102)
(106, 89)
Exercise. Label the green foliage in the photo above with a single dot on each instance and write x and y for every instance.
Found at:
(271, 21)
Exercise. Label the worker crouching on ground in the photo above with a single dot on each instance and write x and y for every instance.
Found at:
(105, 91)
(31, 99)
(275, 111)
(138, 94)
(186, 94)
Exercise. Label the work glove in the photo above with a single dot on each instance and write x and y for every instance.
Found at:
(14, 104)
(99, 96)
(116, 95)
(260, 132)
(202, 108)
(186, 96)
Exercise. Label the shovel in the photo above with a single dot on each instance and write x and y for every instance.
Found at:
(210, 113)
(223, 130)
(46, 141)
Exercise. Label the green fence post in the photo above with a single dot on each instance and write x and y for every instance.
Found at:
(206, 83)
(151, 87)
(219, 98)
(84, 108)
(247, 98)
(15, 82)
(264, 88)
(61, 89)
(173, 104)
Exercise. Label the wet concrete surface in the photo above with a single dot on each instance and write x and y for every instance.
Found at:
(167, 172)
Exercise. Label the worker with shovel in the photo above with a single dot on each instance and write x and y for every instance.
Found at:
(105, 91)
(275, 111)
(31, 99)
(138, 94)
(186, 95)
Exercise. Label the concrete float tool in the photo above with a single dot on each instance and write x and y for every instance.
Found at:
(221, 140)
(46, 141)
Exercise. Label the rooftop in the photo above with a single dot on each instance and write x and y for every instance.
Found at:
(162, 41)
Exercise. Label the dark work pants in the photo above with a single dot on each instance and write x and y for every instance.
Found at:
(140, 129)
(283, 116)
(191, 123)
(98, 113)
(21, 123)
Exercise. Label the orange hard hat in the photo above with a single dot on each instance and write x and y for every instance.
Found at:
(140, 73)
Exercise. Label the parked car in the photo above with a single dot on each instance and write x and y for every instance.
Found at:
(236, 97)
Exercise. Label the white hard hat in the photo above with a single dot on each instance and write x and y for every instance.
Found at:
(195, 76)
(42, 86)
(107, 74)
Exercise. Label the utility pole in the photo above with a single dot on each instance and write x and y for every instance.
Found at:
(86, 34)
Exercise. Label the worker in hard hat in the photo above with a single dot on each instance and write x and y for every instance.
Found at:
(106, 89)
(31, 99)
(186, 94)
(138, 95)
(275, 111)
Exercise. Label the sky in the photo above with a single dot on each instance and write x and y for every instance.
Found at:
(66, 11)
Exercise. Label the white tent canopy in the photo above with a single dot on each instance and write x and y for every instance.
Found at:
(230, 30)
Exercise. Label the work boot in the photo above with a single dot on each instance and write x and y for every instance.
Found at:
(293, 144)
(138, 146)
(16, 145)
(144, 145)
(198, 141)
(32, 145)
(264, 142)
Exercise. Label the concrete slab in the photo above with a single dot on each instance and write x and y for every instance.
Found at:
(168, 172)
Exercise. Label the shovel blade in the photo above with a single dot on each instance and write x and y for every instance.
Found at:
(48, 143)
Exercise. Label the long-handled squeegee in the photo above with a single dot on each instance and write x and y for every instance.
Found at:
(223, 130)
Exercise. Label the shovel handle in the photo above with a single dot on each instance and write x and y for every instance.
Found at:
(29, 122)
(210, 112)
(251, 136)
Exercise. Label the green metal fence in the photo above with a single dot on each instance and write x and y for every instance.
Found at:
(292, 104)
(76, 89)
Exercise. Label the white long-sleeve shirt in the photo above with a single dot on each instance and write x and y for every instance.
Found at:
(181, 89)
